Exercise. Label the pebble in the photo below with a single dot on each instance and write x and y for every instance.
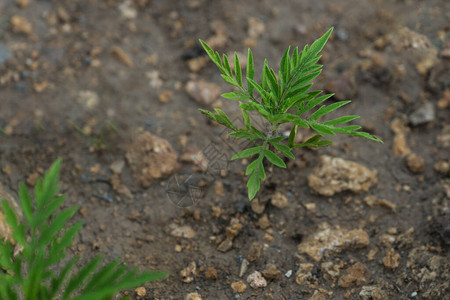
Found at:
(279, 200)
(151, 157)
(333, 240)
(244, 266)
(303, 273)
(202, 91)
(211, 273)
(288, 274)
(127, 11)
(225, 246)
(165, 96)
(89, 99)
(415, 163)
(424, 114)
(155, 81)
(238, 287)
(372, 292)
(141, 291)
(333, 175)
(187, 274)
(183, 232)
(256, 280)
(121, 56)
(271, 272)
(356, 275)
(4, 53)
(330, 271)
(255, 251)
(20, 25)
(196, 157)
(255, 28)
(263, 222)
(392, 259)
(442, 167)
(399, 145)
(193, 296)
(257, 206)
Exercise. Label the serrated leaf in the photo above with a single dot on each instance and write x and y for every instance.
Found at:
(227, 65)
(264, 83)
(251, 167)
(322, 129)
(253, 185)
(229, 80)
(273, 158)
(285, 66)
(323, 110)
(301, 123)
(250, 70)
(292, 136)
(25, 203)
(366, 136)
(237, 69)
(340, 120)
(243, 135)
(246, 117)
(234, 96)
(247, 152)
(318, 45)
(285, 150)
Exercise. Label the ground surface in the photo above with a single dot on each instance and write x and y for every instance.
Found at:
(121, 68)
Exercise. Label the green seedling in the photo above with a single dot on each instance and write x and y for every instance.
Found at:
(284, 99)
(41, 270)
(98, 143)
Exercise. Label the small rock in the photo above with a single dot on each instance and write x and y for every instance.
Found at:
(372, 292)
(244, 267)
(183, 232)
(387, 204)
(165, 96)
(256, 280)
(288, 274)
(89, 99)
(4, 53)
(197, 64)
(193, 296)
(415, 163)
(334, 175)
(279, 200)
(321, 294)
(356, 275)
(196, 157)
(155, 81)
(20, 25)
(121, 56)
(202, 91)
(127, 11)
(117, 166)
(141, 291)
(32, 178)
(211, 273)
(238, 287)
(330, 271)
(225, 246)
(443, 138)
(255, 28)
(392, 259)
(303, 273)
(187, 274)
(23, 3)
(424, 114)
(257, 206)
(327, 239)
(255, 251)
(151, 157)
(442, 167)
(233, 230)
(399, 145)
(263, 222)
(271, 272)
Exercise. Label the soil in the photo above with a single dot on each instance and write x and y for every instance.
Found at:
(117, 69)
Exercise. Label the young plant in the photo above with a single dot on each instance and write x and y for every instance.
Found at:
(40, 270)
(285, 99)
(98, 143)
